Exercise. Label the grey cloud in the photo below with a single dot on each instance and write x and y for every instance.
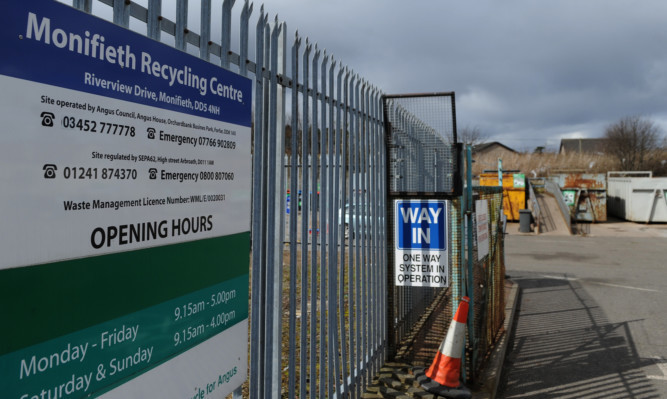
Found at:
(523, 71)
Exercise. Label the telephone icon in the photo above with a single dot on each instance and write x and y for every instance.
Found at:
(50, 171)
(47, 118)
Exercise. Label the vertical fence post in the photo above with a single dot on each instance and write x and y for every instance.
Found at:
(333, 237)
(361, 230)
(280, 71)
(386, 207)
(376, 247)
(153, 24)
(469, 226)
(314, 223)
(350, 230)
(181, 23)
(341, 131)
(322, 200)
(391, 289)
(471, 275)
(275, 203)
(271, 219)
(463, 281)
(83, 5)
(339, 264)
(243, 52)
(463, 270)
(294, 210)
(205, 30)
(355, 215)
(121, 13)
(256, 381)
(305, 159)
(226, 33)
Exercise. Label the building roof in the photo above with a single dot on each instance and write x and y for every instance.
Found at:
(485, 147)
(582, 146)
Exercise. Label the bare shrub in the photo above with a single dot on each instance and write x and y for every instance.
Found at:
(633, 141)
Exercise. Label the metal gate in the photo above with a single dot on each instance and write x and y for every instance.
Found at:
(423, 162)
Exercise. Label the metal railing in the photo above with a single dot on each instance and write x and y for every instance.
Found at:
(553, 189)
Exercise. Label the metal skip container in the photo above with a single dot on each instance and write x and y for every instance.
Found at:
(514, 191)
(585, 194)
(638, 199)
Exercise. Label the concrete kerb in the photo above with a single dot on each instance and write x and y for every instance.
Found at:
(490, 377)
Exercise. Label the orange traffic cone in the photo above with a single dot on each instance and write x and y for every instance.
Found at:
(442, 378)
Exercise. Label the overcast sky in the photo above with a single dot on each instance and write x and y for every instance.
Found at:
(526, 73)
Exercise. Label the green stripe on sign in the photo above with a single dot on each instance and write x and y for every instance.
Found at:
(112, 352)
(38, 303)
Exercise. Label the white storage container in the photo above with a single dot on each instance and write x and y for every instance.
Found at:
(638, 199)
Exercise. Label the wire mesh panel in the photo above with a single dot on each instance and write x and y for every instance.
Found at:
(488, 276)
(422, 162)
(423, 156)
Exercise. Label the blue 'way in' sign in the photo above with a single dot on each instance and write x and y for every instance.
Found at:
(421, 225)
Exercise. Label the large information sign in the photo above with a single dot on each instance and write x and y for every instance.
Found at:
(124, 213)
(421, 242)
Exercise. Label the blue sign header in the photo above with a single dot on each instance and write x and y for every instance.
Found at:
(48, 42)
(421, 225)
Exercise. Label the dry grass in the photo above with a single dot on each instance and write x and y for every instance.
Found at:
(540, 165)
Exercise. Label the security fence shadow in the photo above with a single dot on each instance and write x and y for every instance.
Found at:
(563, 346)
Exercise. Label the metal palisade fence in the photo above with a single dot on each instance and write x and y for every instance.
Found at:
(324, 317)
(331, 317)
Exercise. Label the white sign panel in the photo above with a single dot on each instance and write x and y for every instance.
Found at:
(109, 192)
(421, 242)
(482, 223)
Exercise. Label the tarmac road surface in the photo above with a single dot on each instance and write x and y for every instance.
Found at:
(591, 320)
